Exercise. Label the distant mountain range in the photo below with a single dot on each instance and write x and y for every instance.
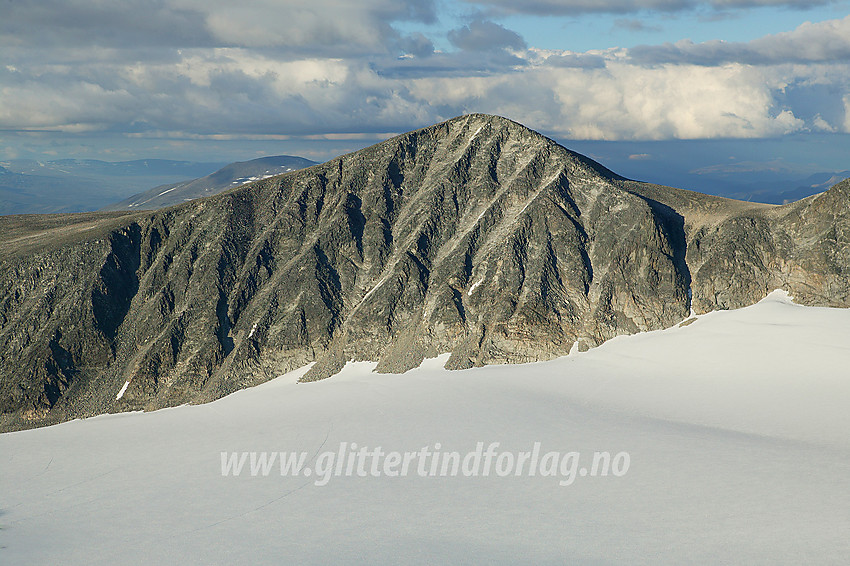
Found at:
(75, 185)
(476, 237)
(95, 167)
(788, 190)
(225, 178)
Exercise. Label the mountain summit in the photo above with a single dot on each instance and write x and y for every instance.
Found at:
(476, 236)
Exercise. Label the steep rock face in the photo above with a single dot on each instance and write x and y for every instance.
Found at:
(734, 262)
(477, 237)
(817, 266)
(738, 252)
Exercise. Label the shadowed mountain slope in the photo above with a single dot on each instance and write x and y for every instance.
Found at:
(476, 236)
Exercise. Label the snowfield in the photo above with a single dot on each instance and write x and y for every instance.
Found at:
(737, 429)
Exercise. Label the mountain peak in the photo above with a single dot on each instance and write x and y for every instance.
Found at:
(478, 140)
(475, 124)
(476, 236)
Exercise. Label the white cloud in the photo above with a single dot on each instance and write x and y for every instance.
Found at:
(302, 84)
(623, 101)
(238, 91)
(822, 125)
(810, 42)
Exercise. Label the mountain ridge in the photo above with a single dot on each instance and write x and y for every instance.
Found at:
(236, 173)
(476, 236)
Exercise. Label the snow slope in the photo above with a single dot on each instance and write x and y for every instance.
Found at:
(736, 426)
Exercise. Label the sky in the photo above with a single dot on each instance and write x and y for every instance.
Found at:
(212, 80)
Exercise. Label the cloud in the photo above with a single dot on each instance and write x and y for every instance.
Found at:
(261, 73)
(330, 27)
(576, 7)
(631, 24)
(818, 123)
(459, 64)
(239, 91)
(416, 44)
(571, 59)
(74, 23)
(225, 91)
(483, 47)
(484, 35)
(810, 42)
(623, 101)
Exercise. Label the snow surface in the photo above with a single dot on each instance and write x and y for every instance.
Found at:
(736, 425)
(122, 390)
(246, 180)
(475, 286)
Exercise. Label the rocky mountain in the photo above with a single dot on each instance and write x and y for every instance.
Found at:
(225, 178)
(477, 237)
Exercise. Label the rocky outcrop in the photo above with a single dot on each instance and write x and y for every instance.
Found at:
(738, 252)
(476, 236)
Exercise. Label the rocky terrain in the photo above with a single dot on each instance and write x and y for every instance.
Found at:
(477, 237)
